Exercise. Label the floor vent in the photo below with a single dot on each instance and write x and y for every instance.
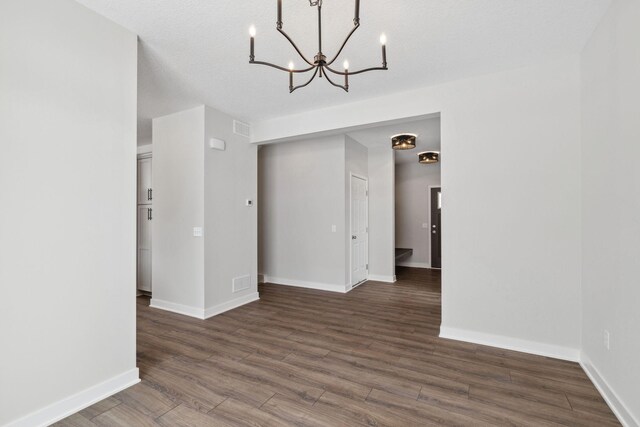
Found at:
(240, 128)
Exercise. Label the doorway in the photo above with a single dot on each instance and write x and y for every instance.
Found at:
(359, 230)
(399, 195)
(417, 242)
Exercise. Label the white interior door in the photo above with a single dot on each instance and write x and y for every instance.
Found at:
(145, 215)
(359, 230)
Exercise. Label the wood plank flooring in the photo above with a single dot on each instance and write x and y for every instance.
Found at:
(312, 358)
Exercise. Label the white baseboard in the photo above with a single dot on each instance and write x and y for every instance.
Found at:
(230, 305)
(377, 278)
(260, 278)
(414, 264)
(173, 307)
(77, 402)
(508, 343)
(308, 285)
(200, 313)
(625, 417)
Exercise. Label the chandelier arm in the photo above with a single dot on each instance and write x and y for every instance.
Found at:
(268, 64)
(344, 43)
(286, 36)
(342, 73)
(310, 80)
(335, 84)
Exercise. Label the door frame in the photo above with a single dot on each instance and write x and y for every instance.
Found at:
(429, 211)
(366, 180)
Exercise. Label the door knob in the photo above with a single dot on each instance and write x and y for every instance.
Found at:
(353, 237)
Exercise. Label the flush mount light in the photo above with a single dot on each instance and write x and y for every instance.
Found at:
(429, 157)
(404, 141)
(320, 65)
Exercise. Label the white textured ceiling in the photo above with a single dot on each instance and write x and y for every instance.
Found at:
(427, 131)
(196, 51)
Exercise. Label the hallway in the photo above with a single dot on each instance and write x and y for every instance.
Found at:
(369, 357)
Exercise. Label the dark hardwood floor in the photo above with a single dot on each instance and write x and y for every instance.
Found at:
(309, 358)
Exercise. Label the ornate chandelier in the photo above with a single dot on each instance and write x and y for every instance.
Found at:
(320, 66)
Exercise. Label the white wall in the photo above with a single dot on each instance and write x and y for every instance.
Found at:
(178, 206)
(511, 256)
(611, 207)
(381, 214)
(304, 189)
(195, 186)
(302, 194)
(144, 140)
(231, 227)
(413, 208)
(67, 209)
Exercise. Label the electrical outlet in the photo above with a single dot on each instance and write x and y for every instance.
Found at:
(607, 340)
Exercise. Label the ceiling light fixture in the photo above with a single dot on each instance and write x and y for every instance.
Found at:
(320, 65)
(404, 141)
(429, 157)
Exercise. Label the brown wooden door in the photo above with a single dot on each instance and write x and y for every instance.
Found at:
(436, 230)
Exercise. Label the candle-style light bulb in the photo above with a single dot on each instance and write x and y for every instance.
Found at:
(346, 75)
(291, 68)
(252, 33)
(383, 39)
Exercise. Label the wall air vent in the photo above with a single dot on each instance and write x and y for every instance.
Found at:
(241, 283)
(240, 128)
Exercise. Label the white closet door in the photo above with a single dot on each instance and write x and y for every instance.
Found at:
(145, 189)
(145, 215)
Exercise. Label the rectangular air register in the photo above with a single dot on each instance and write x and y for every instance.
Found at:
(240, 128)
(241, 283)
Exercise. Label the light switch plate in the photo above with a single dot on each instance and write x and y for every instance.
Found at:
(197, 231)
(217, 144)
(334, 228)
